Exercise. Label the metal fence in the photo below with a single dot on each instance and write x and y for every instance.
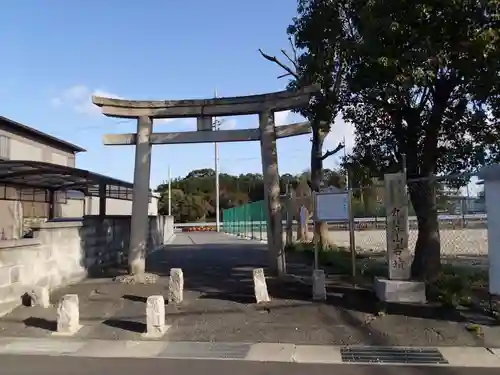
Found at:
(249, 220)
(460, 210)
(462, 219)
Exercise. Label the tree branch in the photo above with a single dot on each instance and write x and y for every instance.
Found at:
(294, 50)
(273, 59)
(329, 153)
(294, 63)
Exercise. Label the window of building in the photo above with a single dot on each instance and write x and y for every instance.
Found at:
(4, 147)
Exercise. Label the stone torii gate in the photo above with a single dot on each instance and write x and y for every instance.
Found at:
(204, 110)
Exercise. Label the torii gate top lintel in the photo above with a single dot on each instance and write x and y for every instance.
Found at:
(228, 106)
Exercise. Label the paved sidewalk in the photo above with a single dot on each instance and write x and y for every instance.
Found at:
(260, 352)
(219, 306)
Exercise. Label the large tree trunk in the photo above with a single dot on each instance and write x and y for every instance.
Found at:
(427, 262)
(321, 234)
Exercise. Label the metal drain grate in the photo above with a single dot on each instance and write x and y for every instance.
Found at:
(205, 350)
(392, 355)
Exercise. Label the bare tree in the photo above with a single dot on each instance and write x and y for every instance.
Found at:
(321, 112)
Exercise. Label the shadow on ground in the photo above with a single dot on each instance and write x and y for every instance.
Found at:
(219, 305)
(49, 325)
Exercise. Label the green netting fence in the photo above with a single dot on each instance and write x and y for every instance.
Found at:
(249, 220)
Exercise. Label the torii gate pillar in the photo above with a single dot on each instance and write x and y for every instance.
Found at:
(139, 226)
(276, 252)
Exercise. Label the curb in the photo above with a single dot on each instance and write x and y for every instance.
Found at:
(245, 238)
(169, 241)
(161, 247)
(260, 352)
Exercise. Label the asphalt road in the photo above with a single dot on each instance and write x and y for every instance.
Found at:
(63, 365)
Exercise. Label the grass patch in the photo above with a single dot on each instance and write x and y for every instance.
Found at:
(456, 285)
(338, 260)
(459, 286)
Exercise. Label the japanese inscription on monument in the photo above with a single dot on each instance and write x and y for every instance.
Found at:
(396, 205)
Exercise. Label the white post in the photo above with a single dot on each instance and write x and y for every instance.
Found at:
(169, 192)
(217, 187)
(491, 177)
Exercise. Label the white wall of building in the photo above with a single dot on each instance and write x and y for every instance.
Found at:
(90, 206)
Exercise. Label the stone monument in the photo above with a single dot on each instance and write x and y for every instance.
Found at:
(398, 287)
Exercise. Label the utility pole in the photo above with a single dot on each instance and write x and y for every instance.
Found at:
(169, 192)
(217, 187)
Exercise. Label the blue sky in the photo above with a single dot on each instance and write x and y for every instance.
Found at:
(57, 53)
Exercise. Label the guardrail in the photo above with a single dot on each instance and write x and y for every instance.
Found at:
(380, 219)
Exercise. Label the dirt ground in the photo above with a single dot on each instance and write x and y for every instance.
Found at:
(219, 306)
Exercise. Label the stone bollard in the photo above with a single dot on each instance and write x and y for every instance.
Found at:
(319, 287)
(40, 297)
(155, 317)
(68, 315)
(260, 286)
(176, 286)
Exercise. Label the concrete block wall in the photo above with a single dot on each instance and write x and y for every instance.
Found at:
(52, 259)
(104, 240)
(65, 251)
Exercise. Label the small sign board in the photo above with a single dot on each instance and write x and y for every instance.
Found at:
(331, 205)
(204, 123)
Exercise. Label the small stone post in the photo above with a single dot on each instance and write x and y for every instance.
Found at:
(260, 286)
(176, 286)
(40, 297)
(155, 317)
(319, 286)
(68, 315)
(302, 229)
(290, 210)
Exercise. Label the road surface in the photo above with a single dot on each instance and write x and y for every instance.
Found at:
(64, 365)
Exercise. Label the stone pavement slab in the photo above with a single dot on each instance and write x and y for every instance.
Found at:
(121, 349)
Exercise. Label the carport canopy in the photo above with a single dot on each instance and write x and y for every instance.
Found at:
(52, 177)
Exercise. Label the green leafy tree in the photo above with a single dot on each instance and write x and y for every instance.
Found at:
(421, 82)
(423, 79)
(193, 196)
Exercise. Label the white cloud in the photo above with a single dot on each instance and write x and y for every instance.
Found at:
(79, 99)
